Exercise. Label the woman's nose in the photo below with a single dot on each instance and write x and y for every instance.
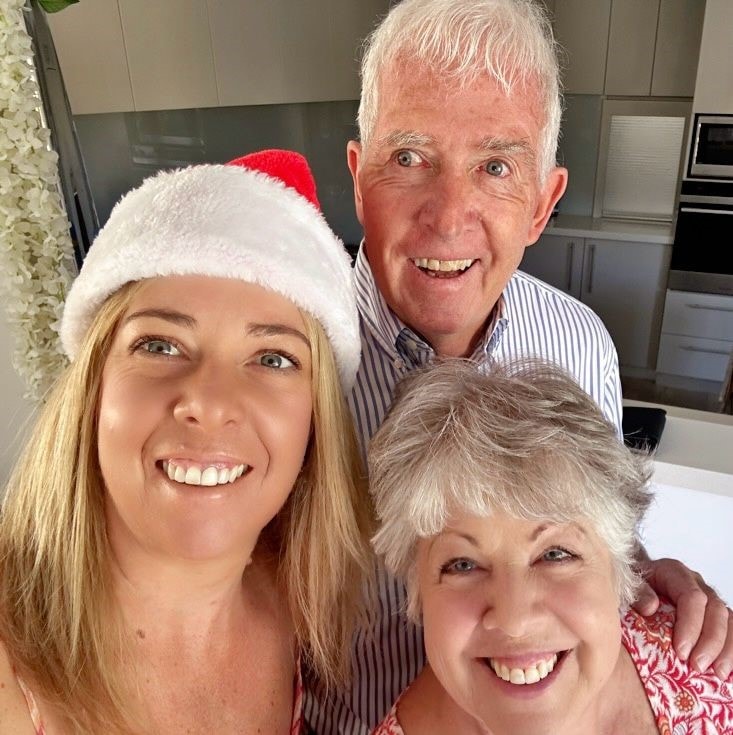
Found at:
(211, 396)
(511, 608)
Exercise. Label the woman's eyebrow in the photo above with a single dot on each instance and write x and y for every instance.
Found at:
(169, 315)
(275, 330)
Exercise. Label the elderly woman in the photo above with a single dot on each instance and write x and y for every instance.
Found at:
(184, 527)
(511, 509)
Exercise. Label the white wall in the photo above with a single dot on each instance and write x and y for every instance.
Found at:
(14, 409)
(694, 527)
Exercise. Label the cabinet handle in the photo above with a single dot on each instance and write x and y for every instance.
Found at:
(591, 258)
(690, 348)
(727, 309)
(569, 266)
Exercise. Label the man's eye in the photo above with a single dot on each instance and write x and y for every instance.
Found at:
(557, 554)
(496, 168)
(458, 566)
(276, 360)
(159, 347)
(408, 158)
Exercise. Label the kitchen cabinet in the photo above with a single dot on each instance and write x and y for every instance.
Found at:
(630, 47)
(714, 86)
(697, 335)
(169, 54)
(91, 51)
(622, 281)
(653, 47)
(581, 28)
(125, 55)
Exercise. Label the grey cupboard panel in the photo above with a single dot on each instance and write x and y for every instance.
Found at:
(169, 53)
(631, 43)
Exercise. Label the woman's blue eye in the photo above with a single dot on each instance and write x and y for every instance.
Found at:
(496, 168)
(276, 360)
(459, 566)
(557, 554)
(161, 347)
(407, 158)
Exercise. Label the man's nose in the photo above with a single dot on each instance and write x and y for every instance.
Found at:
(449, 209)
(211, 396)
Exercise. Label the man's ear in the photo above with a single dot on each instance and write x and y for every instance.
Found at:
(550, 193)
(353, 159)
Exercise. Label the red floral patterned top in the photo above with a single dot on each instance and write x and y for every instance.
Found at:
(683, 701)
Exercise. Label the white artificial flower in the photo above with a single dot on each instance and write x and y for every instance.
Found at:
(36, 253)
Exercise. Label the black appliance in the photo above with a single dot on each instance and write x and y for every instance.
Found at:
(702, 256)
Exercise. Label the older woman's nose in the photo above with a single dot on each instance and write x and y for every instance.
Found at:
(511, 609)
(211, 396)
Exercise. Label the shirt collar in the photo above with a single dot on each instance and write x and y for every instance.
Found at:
(396, 337)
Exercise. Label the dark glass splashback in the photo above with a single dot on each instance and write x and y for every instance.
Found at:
(121, 149)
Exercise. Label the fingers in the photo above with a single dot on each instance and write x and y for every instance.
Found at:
(646, 602)
(703, 632)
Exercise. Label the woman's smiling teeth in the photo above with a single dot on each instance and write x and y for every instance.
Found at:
(433, 267)
(529, 675)
(201, 474)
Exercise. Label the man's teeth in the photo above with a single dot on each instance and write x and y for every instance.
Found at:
(442, 265)
(208, 476)
(530, 675)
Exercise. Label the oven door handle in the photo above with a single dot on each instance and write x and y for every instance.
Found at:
(696, 210)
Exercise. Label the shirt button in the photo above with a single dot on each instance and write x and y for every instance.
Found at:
(399, 363)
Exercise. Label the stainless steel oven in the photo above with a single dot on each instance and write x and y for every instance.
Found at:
(711, 151)
(702, 256)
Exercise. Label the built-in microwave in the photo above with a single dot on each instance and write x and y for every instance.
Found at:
(711, 152)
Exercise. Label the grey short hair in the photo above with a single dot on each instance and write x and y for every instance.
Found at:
(510, 40)
(523, 439)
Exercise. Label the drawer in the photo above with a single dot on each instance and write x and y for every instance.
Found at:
(693, 357)
(708, 316)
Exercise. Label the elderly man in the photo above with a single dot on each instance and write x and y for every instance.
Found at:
(454, 176)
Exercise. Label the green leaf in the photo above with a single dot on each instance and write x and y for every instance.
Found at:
(53, 6)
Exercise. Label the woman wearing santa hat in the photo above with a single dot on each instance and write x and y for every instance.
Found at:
(183, 527)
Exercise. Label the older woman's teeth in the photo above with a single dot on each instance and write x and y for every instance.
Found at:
(530, 675)
(444, 266)
(206, 476)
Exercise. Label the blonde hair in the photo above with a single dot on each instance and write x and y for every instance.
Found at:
(523, 439)
(57, 616)
(510, 41)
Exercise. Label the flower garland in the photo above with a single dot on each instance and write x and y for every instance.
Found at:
(36, 253)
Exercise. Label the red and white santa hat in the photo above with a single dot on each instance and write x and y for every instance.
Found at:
(256, 218)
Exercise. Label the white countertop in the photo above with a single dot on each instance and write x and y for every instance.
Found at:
(695, 451)
(571, 225)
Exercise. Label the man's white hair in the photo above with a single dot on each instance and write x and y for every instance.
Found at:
(510, 40)
(524, 440)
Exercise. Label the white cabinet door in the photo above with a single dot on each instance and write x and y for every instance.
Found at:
(556, 260)
(624, 283)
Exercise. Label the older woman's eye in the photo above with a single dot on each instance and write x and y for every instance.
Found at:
(557, 554)
(157, 346)
(458, 566)
(277, 361)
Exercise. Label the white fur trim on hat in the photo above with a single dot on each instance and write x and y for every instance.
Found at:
(223, 221)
